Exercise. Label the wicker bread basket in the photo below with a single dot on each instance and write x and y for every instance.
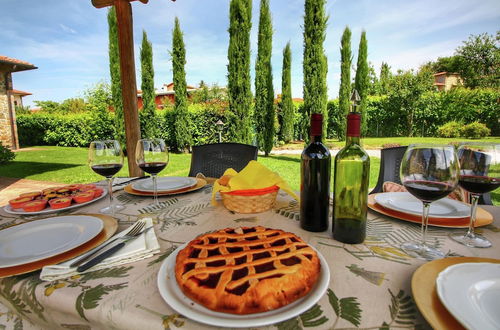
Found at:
(251, 200)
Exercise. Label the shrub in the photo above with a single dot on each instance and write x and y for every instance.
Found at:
(450, 129)
(6, 155)
(475, 130)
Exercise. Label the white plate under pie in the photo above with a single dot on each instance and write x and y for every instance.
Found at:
(173, 296)
(407, 203)
(164, 184)
(49, 210)
(471, 293)
(41, 239)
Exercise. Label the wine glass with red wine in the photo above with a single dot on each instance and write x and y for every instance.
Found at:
(106, 159)
(479, 174)
(429, 172)
(152, 157)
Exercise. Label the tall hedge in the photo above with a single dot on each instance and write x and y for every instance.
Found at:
(116, 83)
(238, 78)
(264, 112)
(182, 134)
(149, 126)
(314, 63)
(287, 106)
(345, 84)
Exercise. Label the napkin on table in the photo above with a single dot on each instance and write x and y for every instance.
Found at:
(141, 247)
(253, 176)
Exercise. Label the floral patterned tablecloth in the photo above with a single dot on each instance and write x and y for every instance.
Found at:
(369, 285)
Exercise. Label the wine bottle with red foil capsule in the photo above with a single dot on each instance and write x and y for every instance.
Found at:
(351, 174)
(315, 170)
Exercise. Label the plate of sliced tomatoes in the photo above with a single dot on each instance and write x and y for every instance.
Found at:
(55, 199)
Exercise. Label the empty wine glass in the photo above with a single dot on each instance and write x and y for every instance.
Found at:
(106, 159)
(152, 157)
(479, 174)
(429, 172)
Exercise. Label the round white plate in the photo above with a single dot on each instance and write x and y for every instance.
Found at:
(49, 210)
(471, 293)
(164, 184)
(173, 296)
(407, 203)
(40, 239)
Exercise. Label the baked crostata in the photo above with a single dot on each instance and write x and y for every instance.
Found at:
(246, 270)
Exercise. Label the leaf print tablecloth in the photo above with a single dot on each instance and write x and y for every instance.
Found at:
(369, 285)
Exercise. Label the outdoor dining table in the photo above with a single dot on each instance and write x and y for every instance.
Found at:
(369, 286)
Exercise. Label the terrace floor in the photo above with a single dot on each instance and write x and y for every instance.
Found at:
(10, 188)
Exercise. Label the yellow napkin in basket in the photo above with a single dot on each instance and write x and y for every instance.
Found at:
(253, 176)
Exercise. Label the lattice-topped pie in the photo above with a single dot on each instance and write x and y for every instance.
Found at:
(246, 270)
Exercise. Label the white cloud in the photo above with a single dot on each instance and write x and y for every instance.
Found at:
(67, 29)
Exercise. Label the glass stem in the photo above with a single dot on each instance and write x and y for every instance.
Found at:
(473, 208)
(110, 193)
(155, 194)
(425, 219)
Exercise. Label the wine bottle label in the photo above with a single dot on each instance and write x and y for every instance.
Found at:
(353, 124)
(316, 124)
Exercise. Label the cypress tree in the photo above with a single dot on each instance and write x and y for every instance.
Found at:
(240, 96)
(361, 79)
(116, 83)
(264, 112)
(385, 76)
(182, 133)
(314, 63)
(148, 114)
(345, 81)
(287, 106)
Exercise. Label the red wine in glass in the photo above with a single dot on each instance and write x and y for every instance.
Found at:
(107, 170)
(428, 191)
(479, 174)
(153, 167)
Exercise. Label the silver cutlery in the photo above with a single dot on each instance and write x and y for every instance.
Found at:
(100, 257)
(135, 229)
(128, 181)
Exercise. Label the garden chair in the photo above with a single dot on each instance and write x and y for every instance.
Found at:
(390, 163)
(212, 160)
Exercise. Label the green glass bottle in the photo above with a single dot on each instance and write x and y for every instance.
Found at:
(351, 175)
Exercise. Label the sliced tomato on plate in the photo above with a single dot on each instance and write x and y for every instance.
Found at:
(34, 206)
(97, 192)
(84, 197)
(18, 203)
(59, 203)
(32, 194)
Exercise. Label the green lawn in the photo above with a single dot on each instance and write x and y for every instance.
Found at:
(69, 165)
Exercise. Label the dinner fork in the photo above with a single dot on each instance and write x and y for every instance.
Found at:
(137, 231)
(134, 230)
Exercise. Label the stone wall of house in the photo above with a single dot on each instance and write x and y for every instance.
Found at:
(5, 129)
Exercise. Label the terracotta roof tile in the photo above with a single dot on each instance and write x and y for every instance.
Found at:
(9, 60)
(18, 92)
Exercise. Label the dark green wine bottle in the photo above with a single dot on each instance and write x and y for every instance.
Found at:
(351, 174)
(315, 169)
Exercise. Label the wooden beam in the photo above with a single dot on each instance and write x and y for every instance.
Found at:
(129, 86)
(107, 3)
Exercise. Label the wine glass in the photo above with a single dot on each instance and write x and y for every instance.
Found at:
(152, 157)
(479, 174)
(429, 172)
(106, 159)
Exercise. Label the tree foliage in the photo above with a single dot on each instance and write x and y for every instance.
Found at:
(240, 96)
(361, 80)
(385, 76)
(264, 112)
(345, 82)
(149, 125)
(182, 134)
(480, 61)
(286, 105)
(314, 63)
(114, 71)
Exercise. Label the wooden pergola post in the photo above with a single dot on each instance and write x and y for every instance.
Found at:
(127, 71)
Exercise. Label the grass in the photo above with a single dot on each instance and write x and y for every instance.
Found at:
(69, 165)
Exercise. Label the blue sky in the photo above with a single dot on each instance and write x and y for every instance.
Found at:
(68, 40)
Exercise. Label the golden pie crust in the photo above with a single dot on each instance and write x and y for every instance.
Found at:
(246, 270)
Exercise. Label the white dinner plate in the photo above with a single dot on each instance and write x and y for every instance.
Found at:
(407, 203)
(41, 239)
(471, 293)
(7, 208)
(164, 184)
(173, 296)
